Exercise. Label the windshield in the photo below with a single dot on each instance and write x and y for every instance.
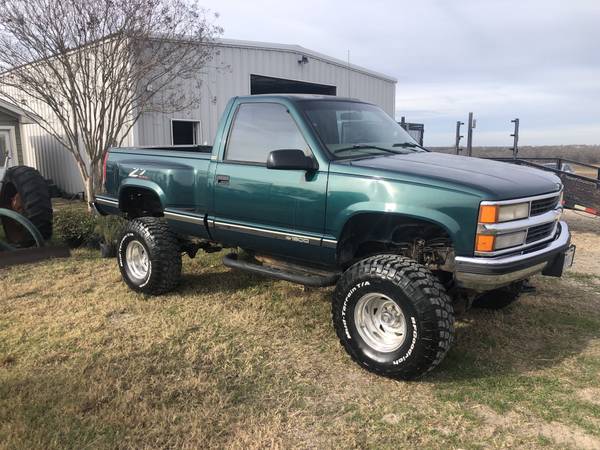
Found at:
(352, 129)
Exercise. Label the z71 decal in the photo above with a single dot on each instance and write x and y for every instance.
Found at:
(138, 173)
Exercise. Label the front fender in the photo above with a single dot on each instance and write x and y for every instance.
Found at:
(451, 209)
(410, 211)
(461, 233)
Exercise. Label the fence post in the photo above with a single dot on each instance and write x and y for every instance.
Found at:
(471, 125)
(515, 135)
(458, 137)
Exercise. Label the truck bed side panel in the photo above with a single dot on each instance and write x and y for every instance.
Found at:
(179, 179)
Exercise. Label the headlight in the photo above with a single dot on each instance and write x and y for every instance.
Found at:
(510, 240)
(503, 213)
(513, 212)
(491, 243)
(492, 214)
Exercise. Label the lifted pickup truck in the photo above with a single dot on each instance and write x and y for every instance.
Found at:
(326, 190)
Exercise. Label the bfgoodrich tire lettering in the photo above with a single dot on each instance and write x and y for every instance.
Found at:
(417, 296)
(151, 237)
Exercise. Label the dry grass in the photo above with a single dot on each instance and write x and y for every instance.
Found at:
(232, 360)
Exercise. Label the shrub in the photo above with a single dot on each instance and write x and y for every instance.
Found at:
(108, 231)
(74, 226)
(109, 228)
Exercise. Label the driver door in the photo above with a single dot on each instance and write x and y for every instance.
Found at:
(275, 211)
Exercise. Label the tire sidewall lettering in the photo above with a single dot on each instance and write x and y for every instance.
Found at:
(124, 240)
(127, 238)
(399, 357)
(353, 290)
(413, 343)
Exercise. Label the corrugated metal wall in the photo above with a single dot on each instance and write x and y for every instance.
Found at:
(46, 154)
(229, 73)
(42, 151)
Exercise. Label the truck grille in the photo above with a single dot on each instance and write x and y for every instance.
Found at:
(543, 206)
(539, 232)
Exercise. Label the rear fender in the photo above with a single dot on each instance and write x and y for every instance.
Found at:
(146, 185)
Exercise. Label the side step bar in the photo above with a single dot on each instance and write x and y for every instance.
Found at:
(306, 279)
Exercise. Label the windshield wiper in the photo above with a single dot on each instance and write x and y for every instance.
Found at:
(365, 147)
(409, 145)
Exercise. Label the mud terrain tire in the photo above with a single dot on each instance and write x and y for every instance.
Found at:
(149, 256)
(393, 316)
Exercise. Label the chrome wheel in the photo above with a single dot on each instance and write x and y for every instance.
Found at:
(380, 322)
(137, 260)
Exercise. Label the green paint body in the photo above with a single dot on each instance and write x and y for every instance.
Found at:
(302, 208)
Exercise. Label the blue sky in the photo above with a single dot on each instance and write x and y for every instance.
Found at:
(538, 60)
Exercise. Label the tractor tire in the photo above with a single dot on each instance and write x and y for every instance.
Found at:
(149, 256)
(498, 298)
(393, 316)
(25, 192)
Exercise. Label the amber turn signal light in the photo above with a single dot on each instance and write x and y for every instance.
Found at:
(484, 243)
(488, 214)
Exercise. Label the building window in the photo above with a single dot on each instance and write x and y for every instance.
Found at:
(185, 132)
(269, 85)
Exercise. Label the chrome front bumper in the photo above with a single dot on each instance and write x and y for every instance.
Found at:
(485, 273)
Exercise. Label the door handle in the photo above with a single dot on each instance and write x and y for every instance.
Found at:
(222, 179)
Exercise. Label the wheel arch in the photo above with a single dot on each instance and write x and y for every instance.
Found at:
(377, 229)
(137, 199)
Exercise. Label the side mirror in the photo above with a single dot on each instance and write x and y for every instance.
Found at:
(290, 160)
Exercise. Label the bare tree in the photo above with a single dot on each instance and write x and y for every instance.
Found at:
(97, 65)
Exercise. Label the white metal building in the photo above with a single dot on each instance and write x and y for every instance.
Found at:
(238, 68)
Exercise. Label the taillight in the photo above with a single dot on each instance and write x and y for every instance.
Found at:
(104, 168)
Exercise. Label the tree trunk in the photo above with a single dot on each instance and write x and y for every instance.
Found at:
(93, 183)
(98, 175)
(89, 191)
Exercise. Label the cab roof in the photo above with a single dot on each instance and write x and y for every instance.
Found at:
(302, 97)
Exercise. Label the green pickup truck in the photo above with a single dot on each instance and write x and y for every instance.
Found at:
(326, 191)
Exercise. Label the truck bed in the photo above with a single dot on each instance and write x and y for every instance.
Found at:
(173, 148)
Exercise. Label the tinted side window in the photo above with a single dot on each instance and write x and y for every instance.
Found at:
(260, 128)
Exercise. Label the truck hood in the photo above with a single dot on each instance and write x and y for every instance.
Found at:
(496, 180)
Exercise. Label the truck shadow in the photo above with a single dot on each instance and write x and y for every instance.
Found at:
(228, 281)
(541, 331)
